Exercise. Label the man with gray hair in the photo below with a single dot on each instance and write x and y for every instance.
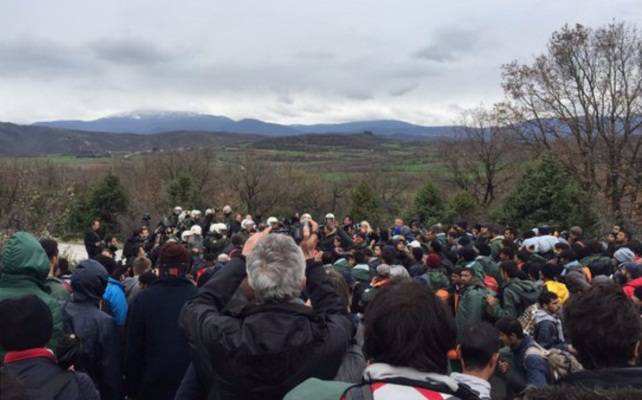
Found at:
(274, 342)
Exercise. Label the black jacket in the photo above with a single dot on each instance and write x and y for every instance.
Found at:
(37, 372)
(157, 354)
(101, 355)
(263, 351)
(91, 238)
(606, 378)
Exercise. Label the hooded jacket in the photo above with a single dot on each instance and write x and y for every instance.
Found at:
(264, 350)
(472, 307)
(102, 353)
(115, 296)
(516, 296)
(548, 330)
(574, 277)
(24, 271)
(631, 285)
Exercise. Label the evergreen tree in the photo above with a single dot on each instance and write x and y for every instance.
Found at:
(429, 206)
(364, 204)
(462, 206)
(181, 191)
(546, 194)
(107, 201)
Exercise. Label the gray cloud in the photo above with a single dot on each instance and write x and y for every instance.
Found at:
(400, 91)
(39, 59)
(129, 52)
(448, 45)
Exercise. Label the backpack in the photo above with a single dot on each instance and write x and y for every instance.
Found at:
(527, 319)
(12, 388)
(363, 391)
(560, 362)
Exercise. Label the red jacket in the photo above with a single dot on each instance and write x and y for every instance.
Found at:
(630, 286)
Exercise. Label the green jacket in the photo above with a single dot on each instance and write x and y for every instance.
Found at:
(477, 268)
(472, 307)
(490, 267)
(316, 389)
(516, 296)
(436, 279)
(23, 271)
(496, 246)
(57, 289)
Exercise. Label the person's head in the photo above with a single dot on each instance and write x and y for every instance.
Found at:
(506, 254)
(341, 287)
(468, 253)
(560, 247)
(88, 282)
(417, 254)
(276, 269)
(63, 267)
(511, 332)
(388, 255)
(483, 249)
(623, 254)
(548, 272)
(359, 256)
(603, 326)
(113, 268)
(23, 255)
(29, 328)
(143, 233)
(567, 256)
(174, 260)
(51, 249)
(632, 270)
(509, 233)
(479, 349)
(398, 222)
(146, 279)
(623, 237)
(467, 277)
(95, 225)
(406, 325)
(549, 302)
(575, 233)
(141, 265)
(455, 276)
(509, 270)
(359, 238)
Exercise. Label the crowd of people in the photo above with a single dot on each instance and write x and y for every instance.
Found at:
(220, 305)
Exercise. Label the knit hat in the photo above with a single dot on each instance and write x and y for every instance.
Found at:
(173, 255)
(623, 255)
(632, 268)
(433, 260)
(29, 328)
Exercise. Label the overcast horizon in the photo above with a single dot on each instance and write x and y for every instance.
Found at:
(280, 61)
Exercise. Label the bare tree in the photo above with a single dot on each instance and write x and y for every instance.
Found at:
(582, 100)
(480, 153)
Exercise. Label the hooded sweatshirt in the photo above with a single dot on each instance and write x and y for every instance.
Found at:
(517, 295)
(102, 351)
(23, 271)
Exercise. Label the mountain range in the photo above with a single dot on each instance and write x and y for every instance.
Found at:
(153, 122)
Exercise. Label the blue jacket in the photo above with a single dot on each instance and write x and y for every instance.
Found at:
(101, 357)
(533, 367)
(117, 301)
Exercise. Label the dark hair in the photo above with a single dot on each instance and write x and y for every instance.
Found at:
(635, 247)
(388, 254)
(546, 297)
(508, 251)
(524, 255)
(29, 328)
(509, 326)
(603, 326)
(417, 253)
(549, 271)
(532, 269)
(237, 240)
(562, 246)
(110, 265)
(626, 233)
(478, 343)
(468, 253)
(484, 249)
(528, 234)
(50, 246)
(510, 268)
(340, 286)
(435, 246)
(458, 270)
(63, 266)
(406, 325)
(544, 230)
(147, 278)
(327, 257)
(568, 254)
(359, 256)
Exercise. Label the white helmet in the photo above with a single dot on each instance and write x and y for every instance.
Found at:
(305, 217)
(329, 216)
(195, 213)
(218, 227)
(227, 209)
(272, 221)
(185, 235)
(209, 211)
(196, 230)
(223, 258)
(247, 223)
(178, 210)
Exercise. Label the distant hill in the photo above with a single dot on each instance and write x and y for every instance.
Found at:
(29, 140)
(152, 122)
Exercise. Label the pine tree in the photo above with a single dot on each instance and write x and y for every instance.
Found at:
(429, 206)
(364, 204)
(107, 201)
(462, 205)
(546, 194)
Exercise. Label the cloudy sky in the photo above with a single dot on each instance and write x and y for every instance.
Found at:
(289, 61)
